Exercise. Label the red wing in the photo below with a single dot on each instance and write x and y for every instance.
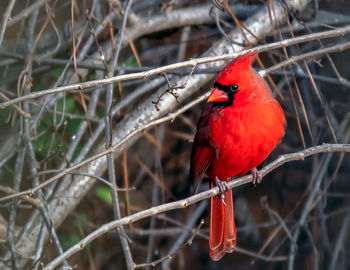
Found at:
(200, 162)
(202, 152)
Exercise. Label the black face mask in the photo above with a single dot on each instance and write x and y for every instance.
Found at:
(230, 90)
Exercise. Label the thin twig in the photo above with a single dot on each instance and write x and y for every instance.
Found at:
(109, 138)
(32, 201)
(194, 62)
(172, 254)
(340, 242)
(181, 238)
(169, 117)
(18, 108)
(308, 206)
(5, 19)
(25, 13)
(301, 155)
(295, 59)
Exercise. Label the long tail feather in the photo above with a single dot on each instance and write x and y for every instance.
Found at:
(222, 237)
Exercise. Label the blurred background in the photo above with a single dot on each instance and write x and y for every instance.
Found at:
(297, 218)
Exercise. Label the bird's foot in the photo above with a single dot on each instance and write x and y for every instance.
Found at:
(256, 176)
(222, 185)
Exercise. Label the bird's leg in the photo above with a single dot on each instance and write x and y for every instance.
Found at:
(256, 176)
(222, 185)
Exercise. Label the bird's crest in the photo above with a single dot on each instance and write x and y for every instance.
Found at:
(241, 63)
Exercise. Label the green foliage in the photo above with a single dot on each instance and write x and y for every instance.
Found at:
(130, 62)
(42, 144)
(104, 194)
(91, 76)
(66, 103)
(100, 113)
(79, 223)
(5, 114)
(56, 73)
(70, 240)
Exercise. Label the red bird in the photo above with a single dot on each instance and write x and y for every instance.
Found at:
(240, 126)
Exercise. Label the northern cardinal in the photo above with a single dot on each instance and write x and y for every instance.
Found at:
(239, 127)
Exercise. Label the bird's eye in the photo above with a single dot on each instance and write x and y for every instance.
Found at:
(234, 88)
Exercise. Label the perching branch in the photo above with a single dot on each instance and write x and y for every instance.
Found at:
(108, 137)
(301, 155)
(190, 63)
(110, 150)
(69, 192)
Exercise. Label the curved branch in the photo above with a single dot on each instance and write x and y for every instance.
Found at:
(70, 192)
(110, 150)
(190, 63)
(325, 148)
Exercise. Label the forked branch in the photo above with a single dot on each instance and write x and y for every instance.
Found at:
(301, 155)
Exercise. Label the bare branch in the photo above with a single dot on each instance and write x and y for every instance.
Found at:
(109, 135)
(110, 150)
(5, 19)
(27, 12)
(301, 155)
(189, 63)
(69, 192)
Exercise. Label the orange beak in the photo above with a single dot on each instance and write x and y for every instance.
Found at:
(217, 96)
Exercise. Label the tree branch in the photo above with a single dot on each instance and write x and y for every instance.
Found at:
(301, 155)
(190, 63)
(70, 192)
